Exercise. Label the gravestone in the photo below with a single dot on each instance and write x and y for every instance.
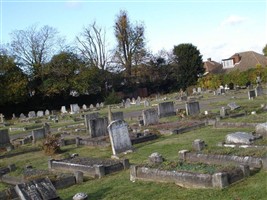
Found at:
(39, 189)
(97, 127)
(199, 90)
(133, 101)
(223, 112)
(22, 116)
(80, 196)
(47, 112)
(1, 118)
(47, 128)
(240, 138)
(192, 108)
(74, 108)
(198, 145)
(90, 116)
(138, 101)
(84, 107)
(38, 134)
(194, 90)
(128, 103)
(31, 114)
(262, 129)
(166, 109)
(146, 103)
(102, 105)
(155, 158)
(97, 105)
(117, 116)
(258, 91)
(4, 138)
(251, 94)
(40, 113)
(233, 106)
(119, 137)
(63, 109)
(91, 106)
(150, 116)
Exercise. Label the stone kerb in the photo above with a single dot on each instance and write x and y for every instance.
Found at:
(119, 137)
(192, 108)
(150, 116)
(166, 109)
(4, 138)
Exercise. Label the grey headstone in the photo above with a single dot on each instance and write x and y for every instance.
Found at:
(119, 136)
(146, 103)
(166, 109)
(90, 116)
(40, 113)
(31, 114)
(98, 127)
(22, 116)
(38, 134)
(91, 106)
(74, 108)
(198, 145)
(262, 129)
(47, 112)
(240, 138)
(192, 108)
(84, 107)
(258, 91)
(80, 196)
(97, 105)
(127, 103)
(102, 105)
(155, 158)
(150, 116)
(4, 137)
(233, 106)
(63, 109)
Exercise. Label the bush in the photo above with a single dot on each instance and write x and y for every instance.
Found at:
(112, 98)
(51, 145)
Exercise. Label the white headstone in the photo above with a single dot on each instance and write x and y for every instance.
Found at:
(47, 112)
(127, 103)
(119, 137)
(101, 104)
(239, 138)
(74, 108)
(91, 106)
(84, 107)
(63, 109)
(97, 105)
(31, 114)
(40, 113)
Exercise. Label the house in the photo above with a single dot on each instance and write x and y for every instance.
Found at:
(244, 61)
(212, 67)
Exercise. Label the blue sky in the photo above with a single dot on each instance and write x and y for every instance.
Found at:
(218, 28)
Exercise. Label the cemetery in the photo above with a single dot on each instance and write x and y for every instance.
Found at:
(148, 147)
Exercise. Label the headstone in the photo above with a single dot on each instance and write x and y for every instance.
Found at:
(150, 116)
(233, 106)
(47, 128)
(138, 101)
(155, 158)
(80, 196)
(262, 129)
(97, 127)
(38, 134)
(128, 103)
(22, 116)
(192, 108)
(240, 138)
(1, 118)
(199, 90)
(222, 90)
(90, 116)
(47, 112)
(258, 91)
(4, 138)
(40, 189)
(251, 94)
(97, 105)
(63, 109)
(198, 145)
(74, 108)
(84, 107)
(146, 103)
(117, 116)
(31, 114)
(194, 90)
(102, 105)
(91, 106)
(78, 176)
(223, 112)
(40, 113)
(119, 137)
(166, 109)
(13, 116)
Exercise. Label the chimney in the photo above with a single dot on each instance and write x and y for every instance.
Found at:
(209, 59)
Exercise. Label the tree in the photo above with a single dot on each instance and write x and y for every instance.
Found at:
(264, 50)
(93, 46)
(130, 48)
(188, 65)
(13, 82)
(33, 47)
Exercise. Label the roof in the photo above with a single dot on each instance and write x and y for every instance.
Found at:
(212, 67)
(248, 60)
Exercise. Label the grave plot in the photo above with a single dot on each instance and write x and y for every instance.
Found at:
(92, 167)
(186, 174)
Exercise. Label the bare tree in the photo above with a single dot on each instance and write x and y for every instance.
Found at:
(93, 46)
(130, 48)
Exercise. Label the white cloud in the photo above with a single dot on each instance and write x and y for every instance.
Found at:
(233, 20)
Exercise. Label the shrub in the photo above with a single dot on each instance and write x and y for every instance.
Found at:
(51, 145)
(112, 98)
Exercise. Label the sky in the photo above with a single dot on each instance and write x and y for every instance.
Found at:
(218, 28)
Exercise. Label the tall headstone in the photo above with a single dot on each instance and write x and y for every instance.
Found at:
(258, 91)
(102, 105)
(138, 101)
(150, 116)
(74, 108)
(223, 112)
(128, 103)
(199, 90)
(63, 109)
(166, 109)
(1, 118)
(194, 90)
(119, 137)
(192, 108)
(22, 116)
(97, 105)
(98, 127)
(90, 116)
(4, 137)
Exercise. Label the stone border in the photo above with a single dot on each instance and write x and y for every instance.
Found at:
(188, 179)
(219, 124)
(189, 128)
(95, 171)
(144, 139)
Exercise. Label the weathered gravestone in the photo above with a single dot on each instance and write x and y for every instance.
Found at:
(119, 137)
(223, 112)
(63, 109)
(47, 112)
(74, 108)
(4, 138)
(166, 109)
(98, 127)
(40, 189)
(38, 134)
(84, 107)
(22, 116)
(262, 129)
(138, 101)
(133, 101)
(258, 90)
(251, 94)
(1, 118)
(150, 116)
(198, 145)
(194, 90)
(90, 116)
(116, 116)
(155, 158)
(146, 103)
(240, 138)
(91, 106)
(128, 103)
(199, 90)
(47, 128)
(97, 105)
(233, 106)
(40, 113)
(80, 196)
(192, 108)
(31, 114)
(102, 105)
